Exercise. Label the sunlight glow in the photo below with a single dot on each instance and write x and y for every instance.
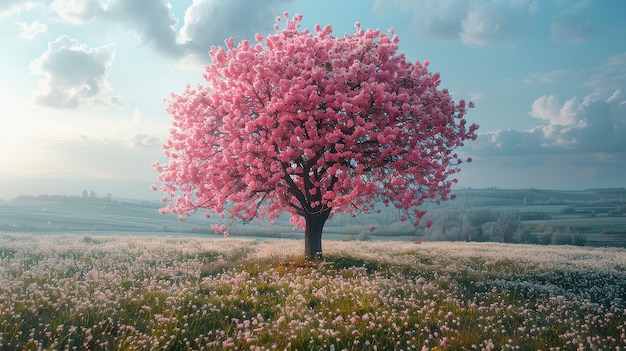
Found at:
(12, 139)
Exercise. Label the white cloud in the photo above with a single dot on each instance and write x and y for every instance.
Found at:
(107, 103)
(492, 22)
(549, 109)
(30, 31)
(77, 11)
(435, 19)
(600, 125)
(206, 22)
(145, 140)
(508, 142)
(10, 8)
(594, 124)
(578, 126)
(153, 21)
(474, 22)
(210, 22)
(73, 74)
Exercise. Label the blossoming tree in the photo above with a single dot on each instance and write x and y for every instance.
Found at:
(312, 124)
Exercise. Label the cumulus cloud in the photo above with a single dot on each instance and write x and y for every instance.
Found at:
(600, 125)
(508, 142)
(30, 31)
(77, 11)
(587, 125)
(437, 19)
(73, 74)
(153, 20)
(446, 23)
(595, 123)
(487, 22)
(493, 22)
(209, 22)
(475, 22)
(549, 109)
(206, 22)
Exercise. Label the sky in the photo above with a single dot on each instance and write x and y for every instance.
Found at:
(83, 82)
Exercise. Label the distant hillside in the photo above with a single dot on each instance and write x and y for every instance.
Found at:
(593, 216)
(521, 197)
(12, 186)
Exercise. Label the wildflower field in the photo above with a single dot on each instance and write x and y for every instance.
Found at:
(78, 292)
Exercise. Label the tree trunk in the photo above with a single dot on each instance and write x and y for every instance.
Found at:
(313, 234)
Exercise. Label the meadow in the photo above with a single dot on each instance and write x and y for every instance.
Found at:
(131, 292)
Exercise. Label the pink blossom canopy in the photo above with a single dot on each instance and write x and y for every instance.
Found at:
(308, 122)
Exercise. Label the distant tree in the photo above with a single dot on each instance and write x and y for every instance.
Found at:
(579, 240)
(561, 238)
(312, 124)
(469, 232)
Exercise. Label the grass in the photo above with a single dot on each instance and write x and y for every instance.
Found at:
(176, 293)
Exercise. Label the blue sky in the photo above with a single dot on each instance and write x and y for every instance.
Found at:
(82, 81)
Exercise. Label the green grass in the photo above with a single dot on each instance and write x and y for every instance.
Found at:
(129, 293)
